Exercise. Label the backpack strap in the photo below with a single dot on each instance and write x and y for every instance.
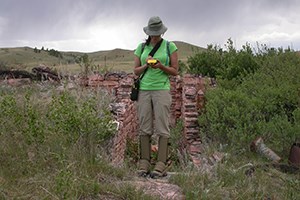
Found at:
(168, 48)
(143, 47)
(168, 53)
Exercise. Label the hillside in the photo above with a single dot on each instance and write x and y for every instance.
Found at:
(185, 50)
(116, 59)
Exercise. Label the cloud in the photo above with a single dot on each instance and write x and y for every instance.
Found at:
(3, 23)
(92, 25)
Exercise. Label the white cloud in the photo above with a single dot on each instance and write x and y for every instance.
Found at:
(3, 23)
(281, 32)
(94, 25)
(98, 35)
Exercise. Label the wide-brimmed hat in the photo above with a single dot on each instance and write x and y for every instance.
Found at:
(155, 27)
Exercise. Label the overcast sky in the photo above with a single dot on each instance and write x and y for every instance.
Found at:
(93, 25)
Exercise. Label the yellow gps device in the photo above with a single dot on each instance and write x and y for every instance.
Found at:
(152, 62)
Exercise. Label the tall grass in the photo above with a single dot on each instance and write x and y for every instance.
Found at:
(52, 145)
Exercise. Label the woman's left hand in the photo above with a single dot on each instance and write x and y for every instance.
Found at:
(158, 65)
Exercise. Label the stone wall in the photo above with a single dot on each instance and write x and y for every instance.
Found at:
(187, 99)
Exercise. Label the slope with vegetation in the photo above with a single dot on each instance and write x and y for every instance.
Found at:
(116, 59)
(257, 95)
(53, 143)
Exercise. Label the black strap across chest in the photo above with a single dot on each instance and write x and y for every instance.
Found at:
(153, 51)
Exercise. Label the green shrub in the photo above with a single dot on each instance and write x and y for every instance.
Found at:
(206, 62)
(50, 142)
(75, 117)
(227, 64)
(265, 103)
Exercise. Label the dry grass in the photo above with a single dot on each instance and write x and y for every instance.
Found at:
(230, 180)
(52, 145)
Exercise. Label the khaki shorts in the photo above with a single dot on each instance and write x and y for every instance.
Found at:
(154, 104)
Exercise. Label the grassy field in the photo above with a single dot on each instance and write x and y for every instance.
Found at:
(53, 145)
(117, 59)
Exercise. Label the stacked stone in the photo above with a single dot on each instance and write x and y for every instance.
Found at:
(187, 98)
(176, 91)
(190, 117)
(130, 117)
(127, 119)
(108, 82)
(94, 80)
(119, 142)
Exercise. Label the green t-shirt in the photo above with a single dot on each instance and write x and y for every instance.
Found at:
(156, 79)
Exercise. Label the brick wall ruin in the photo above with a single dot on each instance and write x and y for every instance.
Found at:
(187, 99)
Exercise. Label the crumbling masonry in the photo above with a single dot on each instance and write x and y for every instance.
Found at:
(187, 100)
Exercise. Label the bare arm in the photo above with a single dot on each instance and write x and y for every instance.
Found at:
(138, 69)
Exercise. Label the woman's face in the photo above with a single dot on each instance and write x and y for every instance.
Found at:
(155, 38)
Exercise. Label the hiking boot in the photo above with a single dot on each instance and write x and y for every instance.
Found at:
(145, 151)
(160, 169)
(144, 168)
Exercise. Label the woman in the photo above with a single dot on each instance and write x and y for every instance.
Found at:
(154, 99)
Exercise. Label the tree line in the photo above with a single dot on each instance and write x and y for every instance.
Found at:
(51, 52)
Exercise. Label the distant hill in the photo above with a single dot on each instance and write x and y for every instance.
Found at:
(185, 50)
(117, 59)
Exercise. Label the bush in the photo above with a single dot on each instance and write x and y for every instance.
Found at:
(227, 64)
(206, 62)
(51, 143)
(76, 117)
(264, 103)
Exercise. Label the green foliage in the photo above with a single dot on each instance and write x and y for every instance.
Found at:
(83, 60)
(265, 102)
(175, 142)
(8, 107)
(81, 120)
(205, 62)
(50, 143)
(34, 124)
(55, 53)
(63, 181)
(35, 50)
(132, 153)
(85, 63)
(22, 117)
(182, 67)
(227, 64)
